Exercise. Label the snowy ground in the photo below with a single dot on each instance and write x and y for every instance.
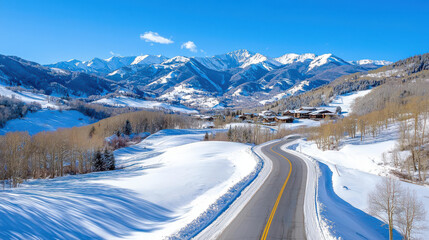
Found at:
(167, 180)
(355, 169)
(297, 123)
(46, 120)
(124, 101)
(28, 97)
(346, 101)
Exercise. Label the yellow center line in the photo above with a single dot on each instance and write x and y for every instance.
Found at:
(273, 212)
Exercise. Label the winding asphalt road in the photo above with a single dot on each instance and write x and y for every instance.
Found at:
(276, 209)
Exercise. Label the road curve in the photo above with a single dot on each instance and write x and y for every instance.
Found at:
(276, 209)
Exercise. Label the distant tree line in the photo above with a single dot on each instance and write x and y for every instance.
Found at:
(11, 108)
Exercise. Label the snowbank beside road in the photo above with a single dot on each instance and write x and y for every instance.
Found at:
(166, 182)
(352, 172)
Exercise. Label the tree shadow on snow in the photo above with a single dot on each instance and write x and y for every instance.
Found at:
(344, 220)
(73, 210)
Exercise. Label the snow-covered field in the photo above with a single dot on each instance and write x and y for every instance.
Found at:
(46, 120)
(297, 123)
(123, 101)
(166, 181)
(27, 97)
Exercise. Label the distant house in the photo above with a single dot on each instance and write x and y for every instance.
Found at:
(321, 113)
(307, 109)
(288, 113)
(269, 119)
(268, 113)
(302, 114)
(284, 119)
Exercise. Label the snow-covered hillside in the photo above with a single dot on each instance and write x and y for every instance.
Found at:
(346, 101)
(164, 183)
(46, 120)
(27, 97)
(123, 101)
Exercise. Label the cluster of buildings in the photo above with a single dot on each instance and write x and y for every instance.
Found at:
(269, 117)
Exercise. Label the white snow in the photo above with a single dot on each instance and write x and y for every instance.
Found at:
(298, 87)
(28, 97)
(358, 166)
(259, 58)
(189, 95)
(346, 101)
(167, 180)
(176, 61)
(275, 98)
(297, 123)
(369, 61)
(123, 101)
(384, 74)
(148, 59)
(293, 57)
(325, 59)
(46, 120)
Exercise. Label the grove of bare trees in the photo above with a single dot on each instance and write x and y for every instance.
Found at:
(398, 207)
(408, 108)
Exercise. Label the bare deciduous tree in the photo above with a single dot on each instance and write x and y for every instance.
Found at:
(384, 201)
(411, 216)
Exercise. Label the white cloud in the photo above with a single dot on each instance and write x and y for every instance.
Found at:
(155, 37)
(115, 54)
(190, 46)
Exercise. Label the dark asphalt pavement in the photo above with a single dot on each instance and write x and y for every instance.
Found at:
(288, 218)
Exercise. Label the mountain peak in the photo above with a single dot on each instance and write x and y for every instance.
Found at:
(325, 59)
(290, 58)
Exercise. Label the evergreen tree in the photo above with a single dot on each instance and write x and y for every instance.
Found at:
(229, 134)
(98, 163)
(110, 159)
(128, 129)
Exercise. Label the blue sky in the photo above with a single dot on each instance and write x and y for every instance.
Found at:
(47, 31)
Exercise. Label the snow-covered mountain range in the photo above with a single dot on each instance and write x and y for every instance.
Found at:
(237, 78)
